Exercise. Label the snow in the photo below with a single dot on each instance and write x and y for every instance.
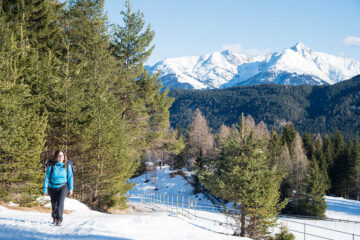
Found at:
(83, 223)
(226, 68)
(163, 221)
(167, 185)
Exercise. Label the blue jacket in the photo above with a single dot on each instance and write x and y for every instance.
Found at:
(58, 177)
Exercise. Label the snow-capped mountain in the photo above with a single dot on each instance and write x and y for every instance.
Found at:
(293, 66)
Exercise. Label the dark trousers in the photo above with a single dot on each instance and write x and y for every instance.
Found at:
(57, 196)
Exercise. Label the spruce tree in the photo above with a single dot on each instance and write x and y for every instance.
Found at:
(313, 201)
(309, 145)
(329, 155)
(39, 21)
(322, 163)
(242, 174)
(339, 171)
(275, 149)
(288, 135)
(355, 171)
(100, 120)
(141, 92)
(21, 128)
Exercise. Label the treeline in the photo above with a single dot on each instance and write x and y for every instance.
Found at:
(266, 172)
(312, 109)
(70, 80)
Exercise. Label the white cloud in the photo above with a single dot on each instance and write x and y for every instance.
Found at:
(249, 52)
(352, 41)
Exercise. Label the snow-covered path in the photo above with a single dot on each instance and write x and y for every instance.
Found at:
(86, 224)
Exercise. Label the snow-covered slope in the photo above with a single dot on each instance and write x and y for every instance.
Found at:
(293, 66)
(83, 223)
(174, 185)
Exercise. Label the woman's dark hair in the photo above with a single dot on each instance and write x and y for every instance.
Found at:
(56, 154)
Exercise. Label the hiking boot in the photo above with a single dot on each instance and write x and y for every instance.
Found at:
(58, 222)
(54, 221)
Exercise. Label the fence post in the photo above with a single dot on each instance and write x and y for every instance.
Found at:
(182, 204)
(195, 210)
(304, 231)
(188, 207)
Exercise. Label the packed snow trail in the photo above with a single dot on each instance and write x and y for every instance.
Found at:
(83, 223)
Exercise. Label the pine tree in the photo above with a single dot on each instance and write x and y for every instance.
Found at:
(329, 155)
(338, 173)
(21, 128)
(100, 121)
(308, 143)
(288, 135)
(322, 163)
(131, 45)
(355, 171)
(275, 149)
(38, 21)
(136, 87)
(313, 201)
(242, 175)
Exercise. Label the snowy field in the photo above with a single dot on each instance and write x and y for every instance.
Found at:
(167, 221)
(83, 223)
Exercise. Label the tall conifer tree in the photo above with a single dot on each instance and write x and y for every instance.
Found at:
(21, 128)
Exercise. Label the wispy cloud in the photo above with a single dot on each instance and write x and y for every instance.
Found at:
(249, 52)
(352, 41)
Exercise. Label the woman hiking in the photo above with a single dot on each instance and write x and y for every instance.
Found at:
(59, 180)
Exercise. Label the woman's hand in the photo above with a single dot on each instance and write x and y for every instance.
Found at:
(70, 192)
(44, 194)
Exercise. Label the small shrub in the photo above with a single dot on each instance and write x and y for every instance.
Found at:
(284, 234)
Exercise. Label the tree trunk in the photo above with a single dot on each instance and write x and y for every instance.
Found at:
(242, 233)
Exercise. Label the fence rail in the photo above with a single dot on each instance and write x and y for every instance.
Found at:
(191, 208)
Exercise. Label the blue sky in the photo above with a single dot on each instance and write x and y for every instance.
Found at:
(196, 27)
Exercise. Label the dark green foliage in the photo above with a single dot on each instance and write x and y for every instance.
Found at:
(314, 109)
(328, 151)
(242, 174)
(59, 64)
(288, 135)
(308, 143)
(284, 234)
(339, 171)
(322, 163)
(131, 43)
(355, 171)
(21, 128)
(313, 201)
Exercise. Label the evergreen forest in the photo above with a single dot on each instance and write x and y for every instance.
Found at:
(312, 109)
(71, 80)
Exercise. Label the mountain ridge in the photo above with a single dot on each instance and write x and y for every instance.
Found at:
(296, 65)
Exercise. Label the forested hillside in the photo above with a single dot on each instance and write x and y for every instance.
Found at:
(312, 109)
(67, 83)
